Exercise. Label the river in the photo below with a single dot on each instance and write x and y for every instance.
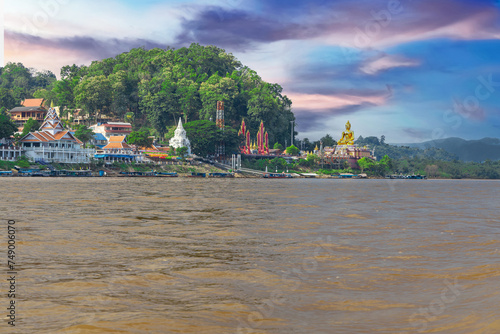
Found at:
(177, 255)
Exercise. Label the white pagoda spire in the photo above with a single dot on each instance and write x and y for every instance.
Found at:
(180, 139)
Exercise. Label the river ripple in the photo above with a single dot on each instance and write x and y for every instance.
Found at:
(113, 255)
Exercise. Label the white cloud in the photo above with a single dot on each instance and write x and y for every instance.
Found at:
(387, 62)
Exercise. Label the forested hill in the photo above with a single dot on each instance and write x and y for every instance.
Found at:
(466, 150)
(153, 88)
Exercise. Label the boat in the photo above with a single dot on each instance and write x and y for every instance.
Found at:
(193, 174)
(165, 174)
(277, 176)
(221, 175)
(407, 177)
(28, 172)
(39, 174)
(70, 173)
(137, 174)
(5, 173)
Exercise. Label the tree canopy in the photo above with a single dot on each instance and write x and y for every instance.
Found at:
(84, 133)
(7, 127)
(205, 135)
(18, 83)
(155, 87)
(140, 138)
(31, 125)
(292, 150)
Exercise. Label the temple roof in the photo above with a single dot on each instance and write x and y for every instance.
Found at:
(46, 136)
(50, 130)
(117, 142)
(33, 103)
(24, 109)
(179, 126)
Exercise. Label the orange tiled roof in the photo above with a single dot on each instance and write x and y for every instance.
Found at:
(45, 136)
(112, 146)
(117, 139)
(33, 102)
(61, 134)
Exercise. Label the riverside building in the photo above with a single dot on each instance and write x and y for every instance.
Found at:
(53, 143)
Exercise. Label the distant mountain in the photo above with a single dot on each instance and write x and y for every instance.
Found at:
(465, 150)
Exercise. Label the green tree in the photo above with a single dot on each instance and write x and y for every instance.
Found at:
(366, 164)
(93, 94)
(385, 165)
(278, 146)
(7, 101)
(306, 145)
(182, 151)
(203, 136)
(7, 127)
(215, 89)
(159, 102)
(84, 133)
(292, 150)
(328, 141)
(231, 140)
(140, 138)
(47, 94)
(119, 93)
(31, 125)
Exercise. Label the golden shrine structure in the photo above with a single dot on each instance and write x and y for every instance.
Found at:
(346, 151)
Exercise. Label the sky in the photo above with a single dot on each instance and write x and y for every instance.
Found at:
(411, 70)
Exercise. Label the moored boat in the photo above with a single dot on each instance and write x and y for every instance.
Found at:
(277, 176)
(165, 174)
(193, 174)
(221, 175)
(137, 174)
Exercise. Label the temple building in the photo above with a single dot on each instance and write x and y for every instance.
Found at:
(346, 150)
(180, 139)
(117, 150)
(52, 143)
(31, 108)
(261, 147)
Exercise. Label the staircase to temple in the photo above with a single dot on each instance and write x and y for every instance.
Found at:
(48, 165)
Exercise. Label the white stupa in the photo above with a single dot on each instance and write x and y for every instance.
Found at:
(180, 139)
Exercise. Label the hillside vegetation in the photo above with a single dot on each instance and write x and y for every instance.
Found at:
(153, 88)
(466, 150)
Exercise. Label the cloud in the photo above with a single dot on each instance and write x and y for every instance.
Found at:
(363, 24)
(469, 108)
(34, 50)
(333, 102)
(238, 29)
(387, 62)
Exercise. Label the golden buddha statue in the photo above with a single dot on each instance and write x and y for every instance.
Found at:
(347, 136)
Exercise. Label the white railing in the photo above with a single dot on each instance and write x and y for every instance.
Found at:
(42, 150)
(10, 153)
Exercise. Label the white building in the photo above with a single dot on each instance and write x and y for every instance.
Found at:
(117, 150)
(52, 143)
(9, 152)
(109, 129)
(180, 139)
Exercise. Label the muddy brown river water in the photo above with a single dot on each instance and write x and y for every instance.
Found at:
(140, 255)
